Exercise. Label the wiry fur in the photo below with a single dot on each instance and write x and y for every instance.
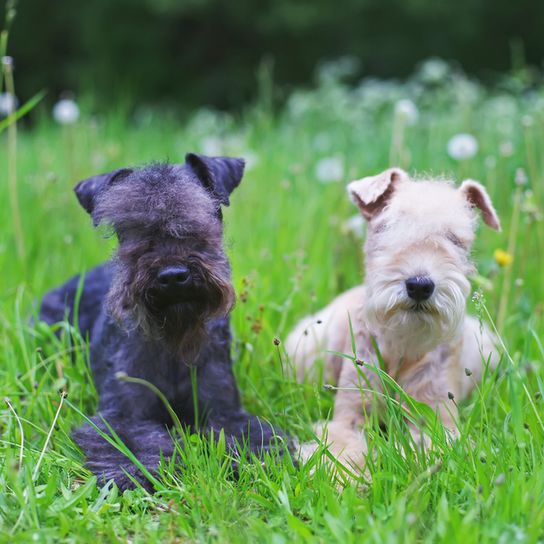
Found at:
(423, 228)
(175, 223)
(164, 216)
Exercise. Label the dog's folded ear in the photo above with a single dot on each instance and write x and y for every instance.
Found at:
(220, 175)
(88, 189)
(477, 197)
(372, 193)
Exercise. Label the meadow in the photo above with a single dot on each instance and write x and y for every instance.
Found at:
(294, 240)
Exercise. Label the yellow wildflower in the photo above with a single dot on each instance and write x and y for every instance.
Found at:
(503, 258)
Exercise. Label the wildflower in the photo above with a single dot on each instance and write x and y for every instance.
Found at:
(500, 479)
(406, 110)
(462, 147)
(211, 145)
(530, 207)
(503, 258)
(8, 104)
(434, 70)
(506, 149)
(329, 169)
(7, 61)
(521, 177)
(355, 225)
(299, 104)
(66, 111)
(251, 158)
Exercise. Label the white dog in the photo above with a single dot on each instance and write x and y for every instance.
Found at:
(412, 305)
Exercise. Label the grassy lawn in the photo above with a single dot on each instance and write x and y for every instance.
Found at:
(291, 252)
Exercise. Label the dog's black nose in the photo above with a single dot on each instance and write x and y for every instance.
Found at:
(419, 288)
(173, 276)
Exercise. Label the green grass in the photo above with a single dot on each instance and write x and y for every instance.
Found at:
(290, 255)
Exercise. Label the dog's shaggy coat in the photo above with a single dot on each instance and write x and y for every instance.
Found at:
(419, 237)
(158, 312)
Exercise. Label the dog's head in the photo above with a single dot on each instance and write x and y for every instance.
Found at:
(420, 235)
(171, 272)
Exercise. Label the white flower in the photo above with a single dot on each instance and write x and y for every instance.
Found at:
(506, 149)
(434, 70)
(406, 110)
(329, 169)
(355, 225)
(521, 177)
(299, 104)
(8, 104)
(211, 145)
(251, 159)
(66, 112)
(462, 147)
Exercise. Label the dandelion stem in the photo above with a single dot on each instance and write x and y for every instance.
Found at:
(48, 438)
(12, 164)
(531, 162)
(21, 430)
(507, 280)
(396, 155)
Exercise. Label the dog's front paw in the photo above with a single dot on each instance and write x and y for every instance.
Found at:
(423, 441)
(346, 444)
(125, 477)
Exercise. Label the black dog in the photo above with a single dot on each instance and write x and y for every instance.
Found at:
(158, 310)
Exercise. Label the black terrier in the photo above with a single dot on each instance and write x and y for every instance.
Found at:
(158, 310)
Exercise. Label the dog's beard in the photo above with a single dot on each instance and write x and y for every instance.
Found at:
(411, 329)
(179, 325)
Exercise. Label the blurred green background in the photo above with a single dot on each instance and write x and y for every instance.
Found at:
(210, 52)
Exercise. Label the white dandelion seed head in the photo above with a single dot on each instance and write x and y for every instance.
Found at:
(7, 61)
(434, 70)
(520, 177)
(251, 159)
(66, 112)
(8, 104)
(299, 104)
(506, 149)
(212, 145)
(406, 110)
(355, 225)
(329, 169)
(462, 147)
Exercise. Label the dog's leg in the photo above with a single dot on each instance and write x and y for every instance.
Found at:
(357, 385)
(220, 407)
(433, 381)
(478, 350)
(147, 440)
(344, 435)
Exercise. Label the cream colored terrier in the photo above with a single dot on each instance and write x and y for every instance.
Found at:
(412, 303)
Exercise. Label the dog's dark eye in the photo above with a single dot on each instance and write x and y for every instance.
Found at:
(455, 240)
